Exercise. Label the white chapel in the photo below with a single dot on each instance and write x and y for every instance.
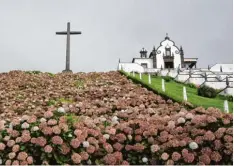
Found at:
(167, 55)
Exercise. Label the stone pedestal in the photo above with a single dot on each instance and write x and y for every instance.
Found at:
(67, 71)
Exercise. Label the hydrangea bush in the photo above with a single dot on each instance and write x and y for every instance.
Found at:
(196, 137)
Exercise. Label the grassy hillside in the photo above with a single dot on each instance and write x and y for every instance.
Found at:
(175, 91)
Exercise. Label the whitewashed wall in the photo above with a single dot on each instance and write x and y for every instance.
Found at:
(216, 85)
(173, 73)
(182, 78)
(161, 50)
(228, 91)
(152, 70)
(163, 72)
(129, 67)
(225, 67)
(196, 80)
(149, 62)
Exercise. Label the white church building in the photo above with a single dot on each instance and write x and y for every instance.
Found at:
(167, 55)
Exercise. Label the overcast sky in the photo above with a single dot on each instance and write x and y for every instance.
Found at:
(111, 29)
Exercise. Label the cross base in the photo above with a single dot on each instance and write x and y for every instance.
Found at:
(67, 71)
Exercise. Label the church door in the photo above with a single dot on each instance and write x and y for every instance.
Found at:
(169, 65)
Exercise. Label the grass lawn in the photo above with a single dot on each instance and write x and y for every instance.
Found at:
(175, 91)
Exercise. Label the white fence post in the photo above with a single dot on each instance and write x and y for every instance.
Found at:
(163, 85)
(140, 75)
(226, 109)
(185, 94)
(149, 79)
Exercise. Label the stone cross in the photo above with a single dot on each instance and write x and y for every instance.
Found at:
(185, 94)
(68, 33)
(163, 85)
(226, 109)
(140, 75)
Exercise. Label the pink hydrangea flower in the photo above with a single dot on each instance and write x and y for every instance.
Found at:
(138, 138)
(22, 156)
(228, 138)
(164, 156)
(18, 139)
(25, 137)
(41, 141)
(205, 159)
(6, 138)
(125, 163)
(138, 147)
(215, 156)
(56, 130)
(2, 146)
(75, 143)
(57, 140)
(8, 162)
(77, 132)
(30, 160)
(209, 136)
(108, 147)
(90, 149)
(84, 155)
(47, 131)
(14, 133)
(48, 149)
(117, 146)
(110, 159)
(65, 149)
(154, 148)
(52, 122)
(48, 114)
(15, 162)
(76, 158)
(176, 156)
(10, 143)
(11, 155)
(32, 119)
(15, 148)
(188, 157)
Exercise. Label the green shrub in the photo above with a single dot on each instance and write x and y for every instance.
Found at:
(50, 74)
(167, 78)
(206, 91)
(191, 85)
(33, 72)
(227, 97)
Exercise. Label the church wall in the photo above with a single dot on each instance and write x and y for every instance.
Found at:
(227, 91)
(225, 67)
(182, 78)
(129, 67)
(196, 81)
(161, 51)
(216, 85)
(148, 61)
(173, 73)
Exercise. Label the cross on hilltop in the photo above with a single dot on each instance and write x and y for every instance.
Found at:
(68, 33)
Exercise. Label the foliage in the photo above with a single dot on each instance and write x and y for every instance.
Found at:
(51, 102)
(50, 74)
(79, 83)
(63, 100)
(191, 85)
(167, 78)
(226, 97)
(33, 72)
(206, 91)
